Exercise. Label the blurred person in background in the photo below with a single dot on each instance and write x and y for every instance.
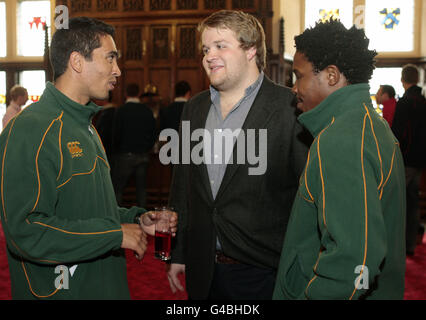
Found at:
(19, 96)
(386, 97)
(409, 127)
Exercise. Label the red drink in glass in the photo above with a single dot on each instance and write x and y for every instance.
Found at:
(163, 244)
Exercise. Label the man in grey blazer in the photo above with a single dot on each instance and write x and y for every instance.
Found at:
(234, 204)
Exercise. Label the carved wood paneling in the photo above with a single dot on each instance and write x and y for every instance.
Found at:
(106, 5)
(160, 43)
(81, 5)
(243, 4)
(159, 5)
(187, 4)
(154, 38)
(187, 43)
(193, 76)
(162, 79)
(214, 4)
(134, 75)
(133, 5)
(61, 2)
(134, 44)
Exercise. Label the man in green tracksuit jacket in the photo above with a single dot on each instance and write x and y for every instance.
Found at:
(65, 234)
(345, 238)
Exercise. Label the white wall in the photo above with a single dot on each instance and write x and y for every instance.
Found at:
(291, 11)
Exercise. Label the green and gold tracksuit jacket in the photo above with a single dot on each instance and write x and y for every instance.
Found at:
(58, 208)
(346, 234)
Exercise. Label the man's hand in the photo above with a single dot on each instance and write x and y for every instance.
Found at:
(134, 238)
(174, 270)
(149, 218)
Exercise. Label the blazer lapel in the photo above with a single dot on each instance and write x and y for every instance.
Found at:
(259, 114)
(199, 122)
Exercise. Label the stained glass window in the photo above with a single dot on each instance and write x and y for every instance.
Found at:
(35, 82)
(389, 24)
(2, 29)
(31, 17)
(324, 10)
(2, 93)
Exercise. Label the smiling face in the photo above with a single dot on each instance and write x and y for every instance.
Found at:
(100, 73)
(225, 62)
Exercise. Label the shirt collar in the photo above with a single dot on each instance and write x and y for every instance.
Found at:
(215, 95)
(133, 99)
(78, 111)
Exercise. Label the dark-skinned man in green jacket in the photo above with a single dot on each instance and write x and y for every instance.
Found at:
(345, 238)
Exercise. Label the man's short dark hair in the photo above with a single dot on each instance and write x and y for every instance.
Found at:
(389, 90)
(330, 43)
(181, 88)
(132, 90)
(83, 36)
(410, 74)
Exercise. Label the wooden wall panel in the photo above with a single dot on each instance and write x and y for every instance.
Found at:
(134, 49)
(160, 40)
(187, 4)
(162, 78)
(80, 6)
(191, 76)
(188, 44)
(215, 4)
(133, 5)
(163, 33)
(132, 76)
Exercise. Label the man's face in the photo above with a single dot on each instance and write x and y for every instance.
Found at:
(381, 96)
(101, 72)
(225, 62)
(310, 88)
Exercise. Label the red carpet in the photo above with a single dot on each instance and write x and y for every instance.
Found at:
(148, 280)
(415, 274)
(4, 269)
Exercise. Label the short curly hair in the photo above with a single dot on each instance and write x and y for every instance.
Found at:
(330, 43)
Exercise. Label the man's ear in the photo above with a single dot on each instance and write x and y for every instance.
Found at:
(76, 62)
(334, 76)
(251, 53)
